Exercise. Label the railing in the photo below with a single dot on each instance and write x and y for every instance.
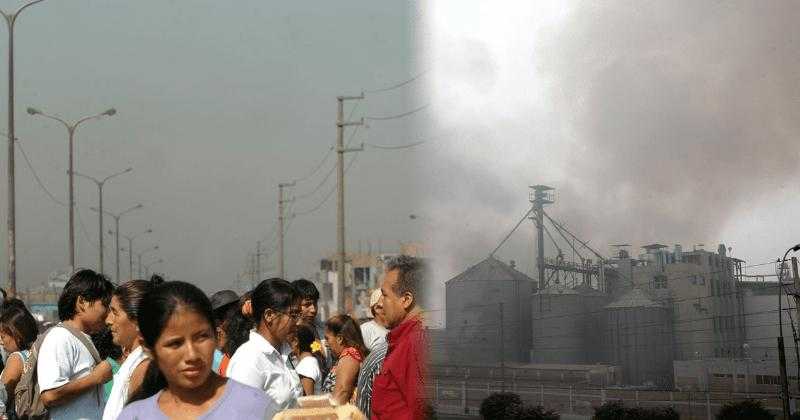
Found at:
(465, 397)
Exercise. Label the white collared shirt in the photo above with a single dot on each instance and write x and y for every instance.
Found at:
(258, 364)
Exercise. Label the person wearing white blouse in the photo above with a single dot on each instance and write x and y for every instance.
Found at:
(264, 361)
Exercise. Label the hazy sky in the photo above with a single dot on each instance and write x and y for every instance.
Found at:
(672, 122)
(217, 103)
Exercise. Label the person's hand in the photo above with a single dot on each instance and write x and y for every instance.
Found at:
(102, 373)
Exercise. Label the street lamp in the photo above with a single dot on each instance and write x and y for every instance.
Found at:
(139, 255)
(11, 19)
(71, 130)
(781, 351)
(116, 233)
(147, 267)
(130, 248)
(100, 183)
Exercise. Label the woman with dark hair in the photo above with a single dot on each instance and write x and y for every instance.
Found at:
(344, 338)
(310, 364)
(123, 322)
(236, 332)
(264, 360)
(18, 331)
(178, 331)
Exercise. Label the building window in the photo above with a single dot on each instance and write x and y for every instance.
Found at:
(660, 281)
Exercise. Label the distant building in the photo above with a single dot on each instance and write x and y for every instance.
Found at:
(702, 290)
(732, 375)
(364, 272)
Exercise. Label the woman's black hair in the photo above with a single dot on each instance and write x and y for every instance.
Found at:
(305, 337)
(17, 322)
(306, 289)
(276, 294)
(131, 295)
(162, 302)
(347, 328)
(87, 284)
(237, 330)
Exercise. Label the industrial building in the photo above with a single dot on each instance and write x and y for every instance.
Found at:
(648, 316)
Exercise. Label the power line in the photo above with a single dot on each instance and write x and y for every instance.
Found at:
(36, 177)
(398, 85)
(327, 196)
(394, 117)
(328, 153)
(403, 146)
(328, 175)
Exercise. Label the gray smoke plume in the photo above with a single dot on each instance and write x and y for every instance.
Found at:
(655, 121)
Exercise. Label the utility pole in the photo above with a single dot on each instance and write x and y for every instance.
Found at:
(258, 260)
(502, 351)
(11, 19)
(539, 197)
(340, 229)
(281, 229)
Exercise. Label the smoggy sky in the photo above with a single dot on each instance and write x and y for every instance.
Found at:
(217, 103)
(670, 122)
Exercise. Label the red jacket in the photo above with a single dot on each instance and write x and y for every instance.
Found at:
(398, 392)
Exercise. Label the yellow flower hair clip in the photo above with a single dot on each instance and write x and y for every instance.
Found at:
(316, 346)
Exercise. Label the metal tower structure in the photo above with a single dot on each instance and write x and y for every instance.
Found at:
(540, 195)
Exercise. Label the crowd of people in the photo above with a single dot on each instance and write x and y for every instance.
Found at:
(149, 349)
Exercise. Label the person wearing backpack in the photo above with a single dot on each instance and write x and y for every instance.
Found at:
(69, 372)
(18, 331)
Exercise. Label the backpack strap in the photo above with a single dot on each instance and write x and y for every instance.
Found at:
(89, 346)
(85, 341)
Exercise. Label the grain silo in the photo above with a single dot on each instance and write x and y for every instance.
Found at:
(637, 336)
(473, 319)
(566, 325)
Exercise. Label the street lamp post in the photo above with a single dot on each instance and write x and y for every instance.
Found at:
(130, 249)
(11, 19)
(147, 267)
(71, 171)
(116, 232)
(141, 254)
(781, 350)
(100, 183)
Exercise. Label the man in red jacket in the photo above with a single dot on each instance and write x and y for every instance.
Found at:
(398, 392)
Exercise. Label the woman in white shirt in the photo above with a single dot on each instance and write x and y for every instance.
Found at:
(264, 361)
(309, 360)
(123, 321)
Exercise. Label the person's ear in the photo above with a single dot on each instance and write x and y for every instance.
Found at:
(407, 300)
(80, 305)
(269, 317)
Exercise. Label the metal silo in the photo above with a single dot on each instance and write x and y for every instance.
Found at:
(566, 325)
(638, 337)
(473, 320)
